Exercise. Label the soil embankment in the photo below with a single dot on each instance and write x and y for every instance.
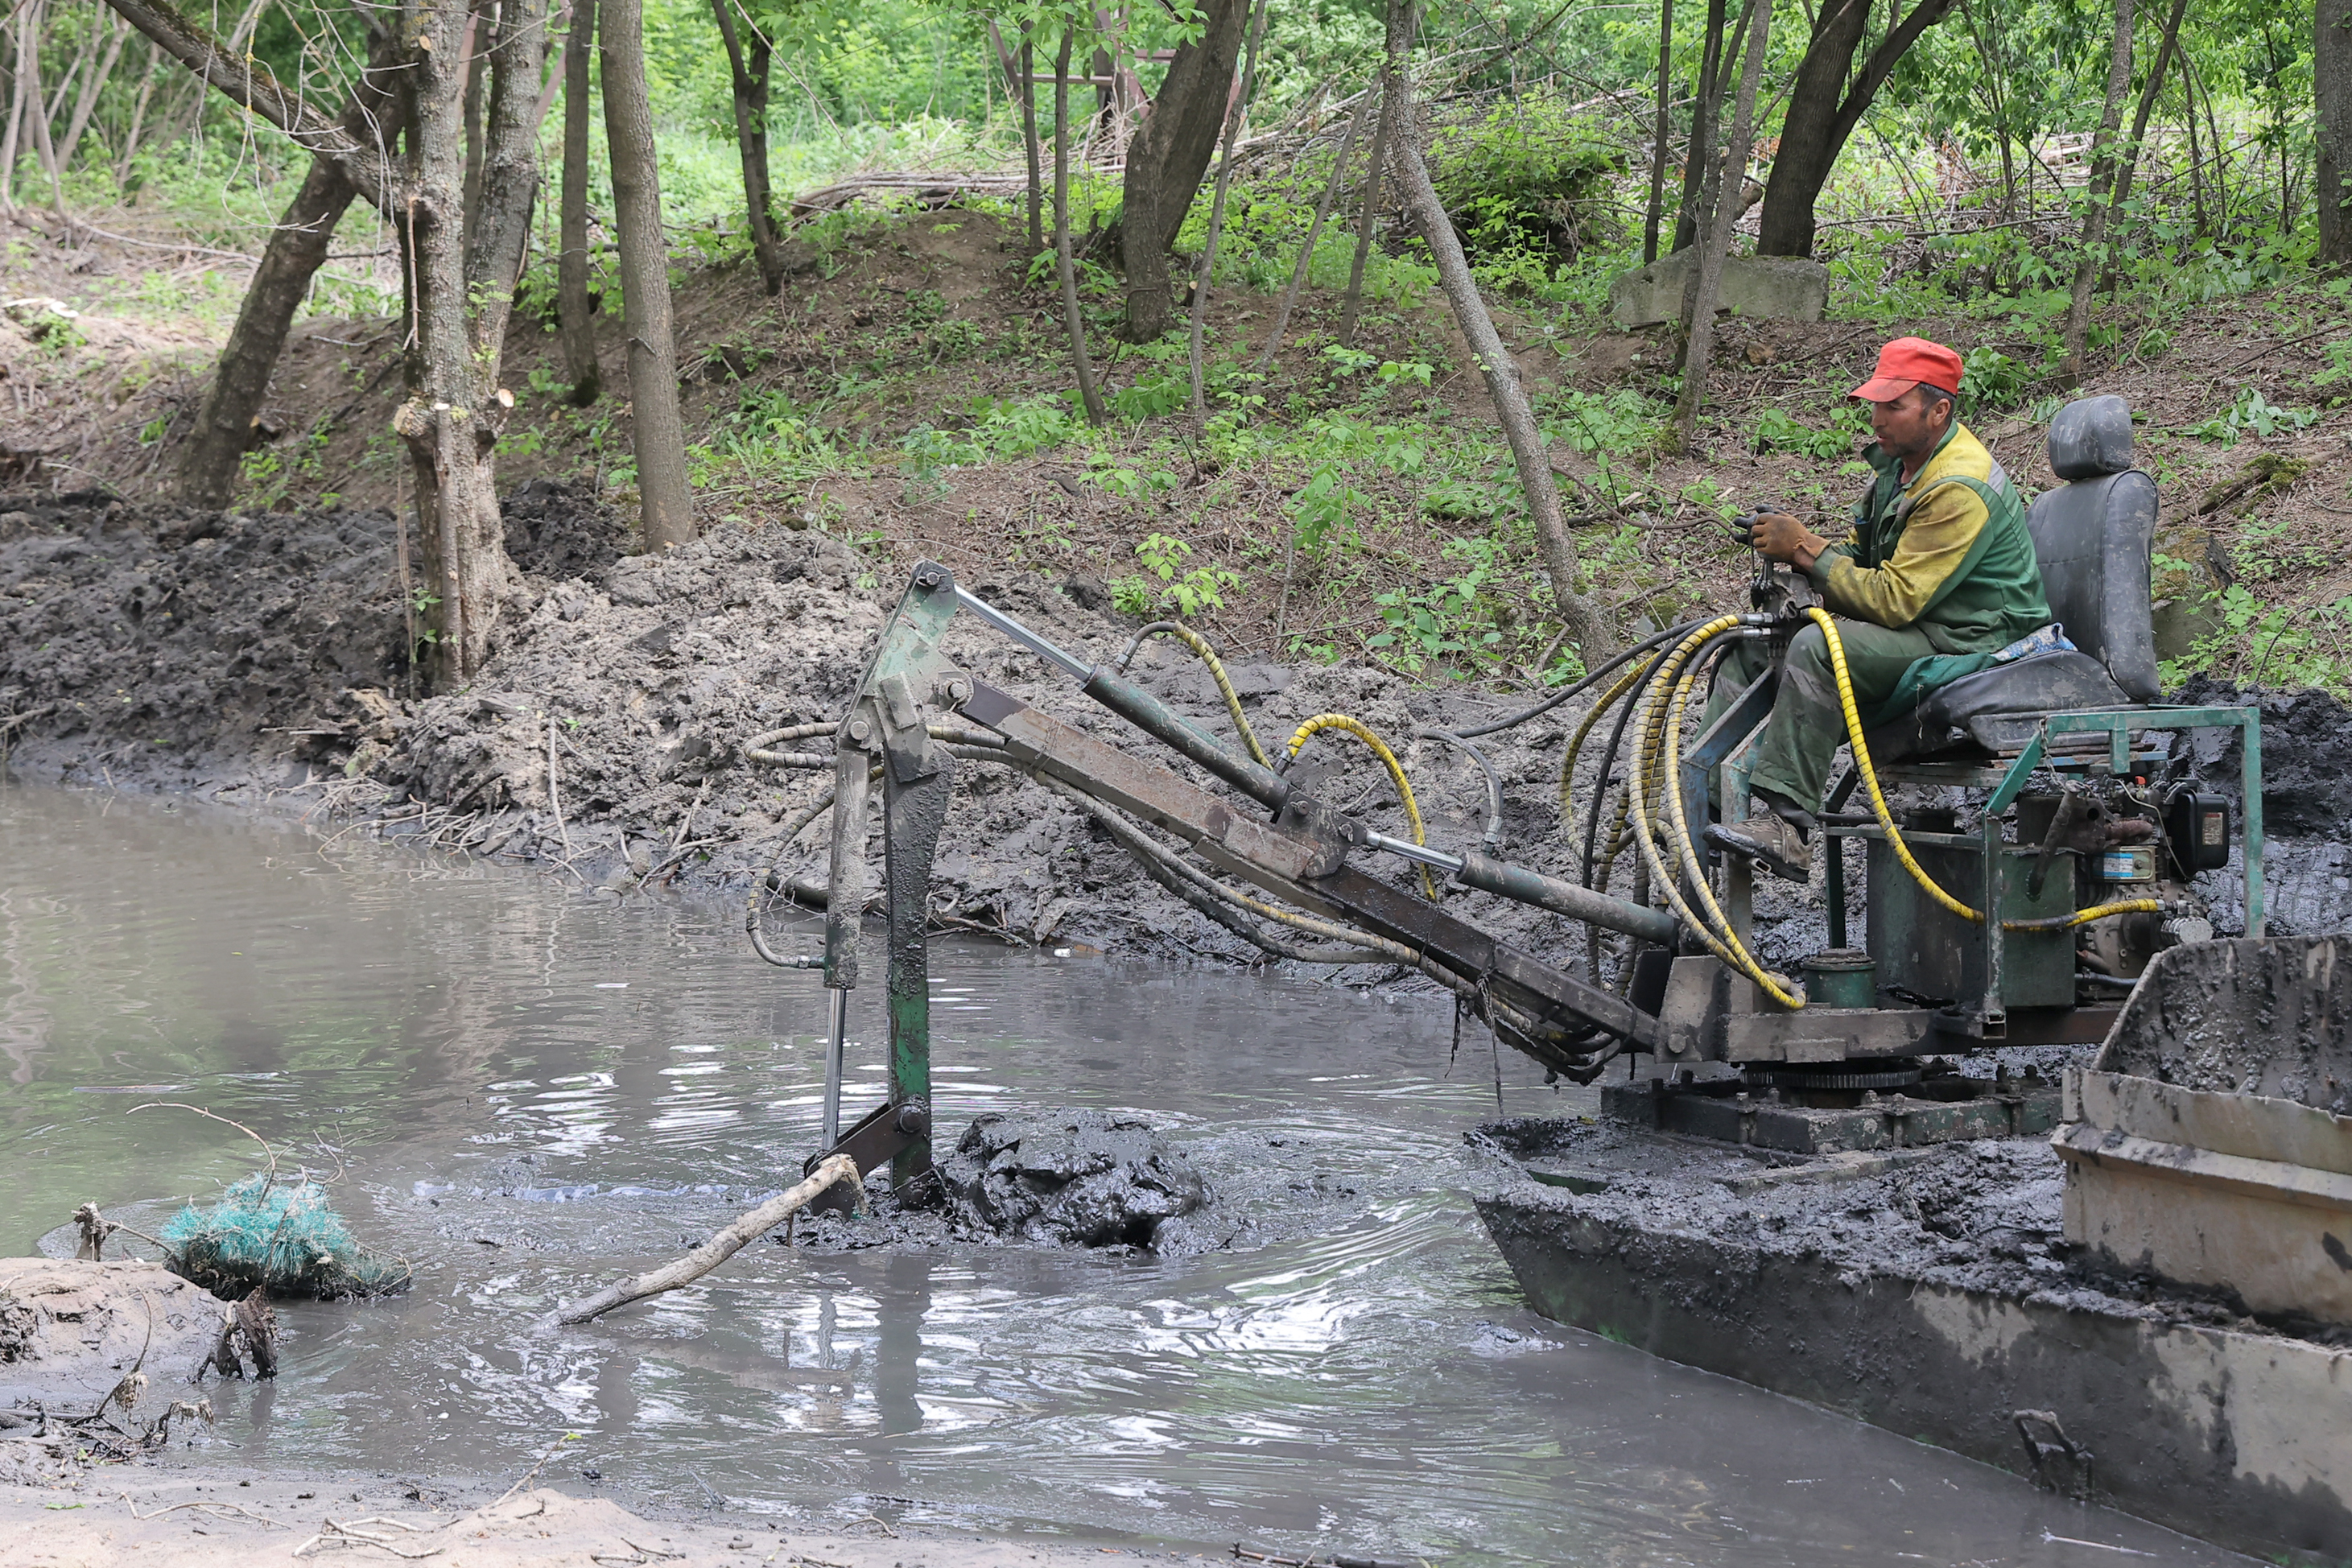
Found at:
(260, 658)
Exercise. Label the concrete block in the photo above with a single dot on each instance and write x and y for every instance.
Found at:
(1778, 288)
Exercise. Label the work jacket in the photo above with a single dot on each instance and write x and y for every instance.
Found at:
(1947, 554)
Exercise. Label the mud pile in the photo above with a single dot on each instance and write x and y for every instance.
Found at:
(143, 641)
(1081, 1178)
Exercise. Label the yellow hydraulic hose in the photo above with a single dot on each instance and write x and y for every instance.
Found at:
(1828, 623)
(1208, 656)
(1363, 731)
(1680, 821)
(2084, 917)
(1608, 699)
(1659, 698)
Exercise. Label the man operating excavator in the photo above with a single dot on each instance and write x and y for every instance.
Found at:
(1937, 580)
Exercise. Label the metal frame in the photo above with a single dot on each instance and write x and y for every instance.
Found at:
(2007, 781)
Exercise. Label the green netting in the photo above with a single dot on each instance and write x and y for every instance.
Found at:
(279, 1235)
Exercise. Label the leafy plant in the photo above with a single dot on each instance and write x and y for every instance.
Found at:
(2252, 412)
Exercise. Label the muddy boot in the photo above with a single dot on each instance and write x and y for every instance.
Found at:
(1770, 839)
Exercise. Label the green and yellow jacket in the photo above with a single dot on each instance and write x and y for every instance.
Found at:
(1947, 554)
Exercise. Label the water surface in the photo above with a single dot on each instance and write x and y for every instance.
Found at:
(473, 1049)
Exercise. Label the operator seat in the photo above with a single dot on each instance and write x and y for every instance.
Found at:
(2093, 535)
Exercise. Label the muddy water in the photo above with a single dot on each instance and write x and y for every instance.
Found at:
(529, 1087)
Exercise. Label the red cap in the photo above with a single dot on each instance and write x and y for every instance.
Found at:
(1904, 364)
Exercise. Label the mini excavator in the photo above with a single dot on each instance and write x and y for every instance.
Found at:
(2058, 815)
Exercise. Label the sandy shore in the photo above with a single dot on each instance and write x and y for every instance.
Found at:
(115, 1516)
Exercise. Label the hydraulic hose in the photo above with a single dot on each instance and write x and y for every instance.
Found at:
(1656, 700)
(1363, 731)
(1208, 656)
(1623, 684)
(1828, 623)
(1512, 721)
(1679, 819)
(2084, 917)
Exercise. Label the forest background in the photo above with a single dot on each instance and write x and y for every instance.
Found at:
(1235, 382)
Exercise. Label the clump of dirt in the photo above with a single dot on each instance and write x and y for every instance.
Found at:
(1082, 1178)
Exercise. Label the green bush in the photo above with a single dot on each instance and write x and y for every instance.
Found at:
(1529, 184)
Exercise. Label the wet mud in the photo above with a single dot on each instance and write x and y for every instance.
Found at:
(1078, 1178)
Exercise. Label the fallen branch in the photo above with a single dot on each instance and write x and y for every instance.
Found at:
(756, 1223)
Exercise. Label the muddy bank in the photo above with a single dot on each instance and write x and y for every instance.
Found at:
(262, 657)
(220, 1522)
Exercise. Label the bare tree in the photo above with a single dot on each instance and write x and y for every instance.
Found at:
(347, 161)
(1662, 135)
(2331, 76)
(749, 71)
(1392, 129)
(2102, 175)
(1721, 205)
(656, 426)
(1029, 140)
(1706, 115)
(1217, 216)
(572, 307)
(1314, 232)
(1583, 621)
(1169, 156)
(2127, 165)
(1085, 366)
(462, 297)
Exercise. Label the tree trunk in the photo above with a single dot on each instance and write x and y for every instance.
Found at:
(479, 41)
(296, 247)
(1314, 233)
(209, 465)
(2332, 98)
(1576, 613)
(2095, 218)
(463, 296)
(1087, 395)
(21, 34)
(1714, 233)
(750, 79)
(654, 421)
(2127, 167)
(1168, 157)
(87, 100)
(1707, 99)
(1217, 218)
(1396, 101)
(1029, 143)
(138, 114)
(572, 311)
(1815, 127)
(1665, 134)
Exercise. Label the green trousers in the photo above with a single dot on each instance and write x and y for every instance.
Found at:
(1807, 724)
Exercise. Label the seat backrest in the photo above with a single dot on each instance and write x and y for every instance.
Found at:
(2093, 535)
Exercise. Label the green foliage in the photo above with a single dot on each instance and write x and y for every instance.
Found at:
(1777, 432)
(1169, 583)
(1453, 618)
(1530, 186)
(2252, 412)
(277, 1235)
